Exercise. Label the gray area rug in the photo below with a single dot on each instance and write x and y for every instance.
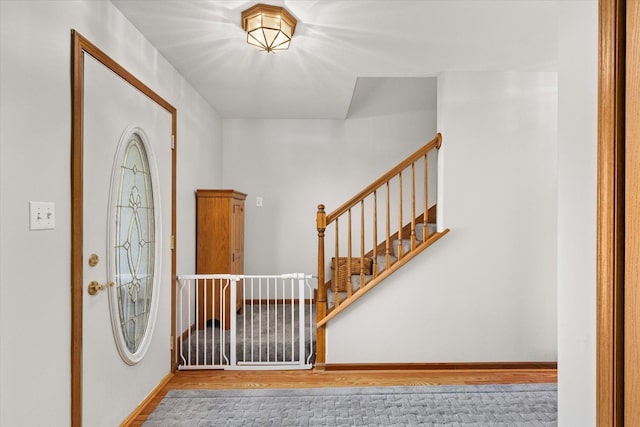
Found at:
(475, 405)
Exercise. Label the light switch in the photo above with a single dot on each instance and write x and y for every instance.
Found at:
(259, 201)
(42, 215)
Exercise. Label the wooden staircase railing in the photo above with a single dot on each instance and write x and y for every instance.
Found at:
(365, 205)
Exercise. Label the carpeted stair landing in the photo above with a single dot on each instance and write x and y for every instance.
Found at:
(264, 333)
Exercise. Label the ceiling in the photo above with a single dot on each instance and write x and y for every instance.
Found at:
(337, 42)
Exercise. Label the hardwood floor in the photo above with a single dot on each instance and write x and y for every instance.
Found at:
(312, 378)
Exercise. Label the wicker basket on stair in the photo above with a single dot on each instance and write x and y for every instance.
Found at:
(340, 275)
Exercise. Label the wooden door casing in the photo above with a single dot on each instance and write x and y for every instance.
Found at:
(632, 218)
(618, 299)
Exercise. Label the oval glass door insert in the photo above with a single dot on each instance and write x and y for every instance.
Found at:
(134, 238)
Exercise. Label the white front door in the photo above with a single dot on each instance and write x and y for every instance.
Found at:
(122, 126)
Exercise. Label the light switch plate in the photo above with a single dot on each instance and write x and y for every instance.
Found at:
(42, 215)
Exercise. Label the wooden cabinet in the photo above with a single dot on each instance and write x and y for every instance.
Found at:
(219, 250)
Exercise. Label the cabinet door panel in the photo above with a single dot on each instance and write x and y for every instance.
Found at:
(219, 249)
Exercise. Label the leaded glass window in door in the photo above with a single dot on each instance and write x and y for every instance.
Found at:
(134, 246)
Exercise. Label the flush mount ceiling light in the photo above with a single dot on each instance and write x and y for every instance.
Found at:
(268, 27)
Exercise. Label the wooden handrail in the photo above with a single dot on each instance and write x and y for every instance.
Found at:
(436, 142)
(371, 275)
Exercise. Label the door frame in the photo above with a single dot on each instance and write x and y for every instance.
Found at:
(80, 46)
(610, 321)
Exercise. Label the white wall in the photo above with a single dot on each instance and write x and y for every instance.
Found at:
(297, 164)
(577, 166)
(487, 290)
(35, 165)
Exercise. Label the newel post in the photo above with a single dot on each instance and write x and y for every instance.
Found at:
(321, 225)
(321, 304)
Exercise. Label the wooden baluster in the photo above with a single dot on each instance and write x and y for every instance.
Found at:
(400, 248)
(336, 267)
(321, 304)
(388, 231)
(349, 290)
(375, 233)
(413, 206)
(361, 244)
(438, 145)
(425, 209)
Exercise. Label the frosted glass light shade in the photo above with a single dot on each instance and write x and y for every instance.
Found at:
(269, 28)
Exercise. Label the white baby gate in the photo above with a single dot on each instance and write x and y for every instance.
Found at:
(270, 326)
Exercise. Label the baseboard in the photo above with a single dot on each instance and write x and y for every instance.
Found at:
(320, 367)
(469, 366)
(136, 412)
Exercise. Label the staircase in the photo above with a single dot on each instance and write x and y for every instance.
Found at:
(381, 262)
(397, 212)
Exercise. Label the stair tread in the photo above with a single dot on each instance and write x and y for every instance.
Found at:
(382, 261)
(420, 226)
(355, 280)
(406, 243)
